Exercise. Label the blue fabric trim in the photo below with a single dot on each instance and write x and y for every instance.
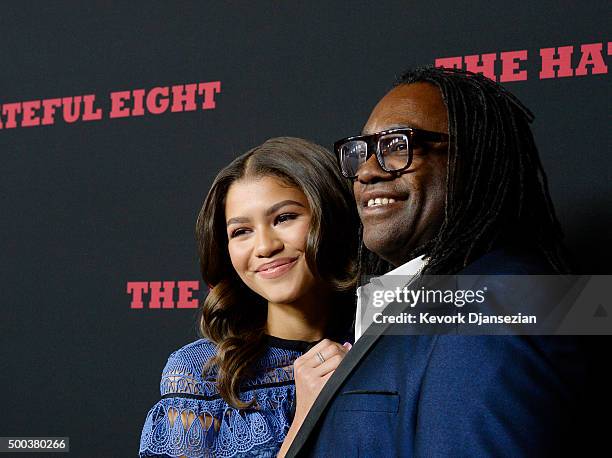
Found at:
(198, 423)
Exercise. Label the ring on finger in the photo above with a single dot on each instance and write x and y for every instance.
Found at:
(320, 357)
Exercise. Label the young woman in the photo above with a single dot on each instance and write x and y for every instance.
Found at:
(277, 240)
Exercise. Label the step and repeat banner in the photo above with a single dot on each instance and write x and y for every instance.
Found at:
(114, 119)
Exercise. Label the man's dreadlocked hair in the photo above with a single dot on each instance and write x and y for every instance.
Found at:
(496, 188)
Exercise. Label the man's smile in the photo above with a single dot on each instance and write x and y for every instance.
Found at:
(380, 201)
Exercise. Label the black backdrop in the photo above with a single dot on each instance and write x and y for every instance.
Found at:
(90, 206)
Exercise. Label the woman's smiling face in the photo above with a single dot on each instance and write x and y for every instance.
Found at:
(268, 222)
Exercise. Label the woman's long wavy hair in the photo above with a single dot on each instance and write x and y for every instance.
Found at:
(233, 316)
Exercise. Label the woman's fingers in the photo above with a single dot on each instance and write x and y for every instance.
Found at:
(325, 378)
(319, 361)
(320, 353)
(313, 369)
(329, 365)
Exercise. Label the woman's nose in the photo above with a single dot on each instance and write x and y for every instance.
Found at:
(267, 243)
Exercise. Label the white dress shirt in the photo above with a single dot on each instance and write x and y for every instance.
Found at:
(411, 268)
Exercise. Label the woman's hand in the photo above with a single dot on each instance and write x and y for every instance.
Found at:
(311, 371)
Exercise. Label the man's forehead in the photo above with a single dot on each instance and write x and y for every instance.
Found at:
(418, 105)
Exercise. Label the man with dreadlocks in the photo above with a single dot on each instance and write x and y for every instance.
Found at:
(465, 194)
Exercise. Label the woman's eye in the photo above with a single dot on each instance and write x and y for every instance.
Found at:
(238, 232)
(285, 217)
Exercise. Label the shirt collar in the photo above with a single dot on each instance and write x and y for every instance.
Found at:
(412, 267)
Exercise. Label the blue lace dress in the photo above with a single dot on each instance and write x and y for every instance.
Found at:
(208, 426)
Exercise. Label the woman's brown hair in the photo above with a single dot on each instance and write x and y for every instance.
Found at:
(233, 316)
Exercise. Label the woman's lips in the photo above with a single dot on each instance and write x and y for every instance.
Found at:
(277, 269)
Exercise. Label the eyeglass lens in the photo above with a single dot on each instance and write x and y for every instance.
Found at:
(353, 154)
(393, 150)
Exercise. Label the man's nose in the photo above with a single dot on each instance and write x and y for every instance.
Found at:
(371, 171)
(267, 243)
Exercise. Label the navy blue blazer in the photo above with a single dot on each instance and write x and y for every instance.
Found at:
(450, 395)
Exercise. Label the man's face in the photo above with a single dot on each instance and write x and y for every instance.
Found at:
(393, 230)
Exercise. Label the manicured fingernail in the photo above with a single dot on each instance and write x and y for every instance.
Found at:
(347, 345)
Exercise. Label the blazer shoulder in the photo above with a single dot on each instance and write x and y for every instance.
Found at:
(510, 260)
(522, 390)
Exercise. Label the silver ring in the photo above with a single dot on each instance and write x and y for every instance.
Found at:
(320, 356)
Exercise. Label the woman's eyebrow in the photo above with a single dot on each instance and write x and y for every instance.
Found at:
(237, 220)
(280, 205)
(269, 211)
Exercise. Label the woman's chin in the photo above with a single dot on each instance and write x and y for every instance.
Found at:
(281, 298)
(282, 292)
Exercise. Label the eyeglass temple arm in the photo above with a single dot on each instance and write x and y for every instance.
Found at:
(431, 136)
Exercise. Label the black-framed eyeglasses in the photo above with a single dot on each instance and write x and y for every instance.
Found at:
(393, 149)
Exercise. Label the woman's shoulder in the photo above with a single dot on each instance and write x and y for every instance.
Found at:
(210, 426)
(184, 370)
(194, 353)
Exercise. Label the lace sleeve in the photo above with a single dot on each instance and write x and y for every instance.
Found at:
(186, 395)
(208, 426)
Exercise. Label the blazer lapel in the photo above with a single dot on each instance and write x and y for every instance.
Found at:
(346, 367)
(348, 364)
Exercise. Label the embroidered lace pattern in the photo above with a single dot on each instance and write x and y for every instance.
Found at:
(192, 420)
